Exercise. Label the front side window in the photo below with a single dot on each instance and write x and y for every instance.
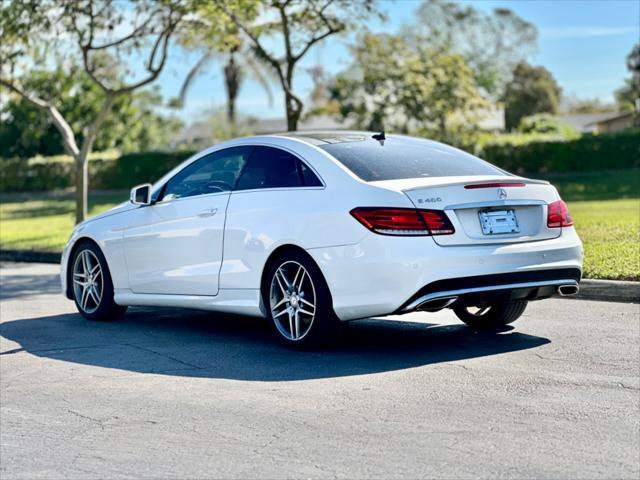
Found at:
(214, 173)
(271, 167)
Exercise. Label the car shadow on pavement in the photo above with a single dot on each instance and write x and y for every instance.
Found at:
(202, 344)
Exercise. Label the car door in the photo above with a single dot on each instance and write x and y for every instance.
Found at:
(278, 198)
(174, 246)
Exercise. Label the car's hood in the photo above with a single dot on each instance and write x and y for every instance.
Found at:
(123, 207)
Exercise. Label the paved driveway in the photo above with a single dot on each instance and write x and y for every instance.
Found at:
(182, 394)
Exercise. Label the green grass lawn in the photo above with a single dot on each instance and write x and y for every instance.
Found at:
(609, 228)
(44, 221)
(610, 231)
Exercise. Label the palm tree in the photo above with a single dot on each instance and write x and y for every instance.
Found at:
(237, 63)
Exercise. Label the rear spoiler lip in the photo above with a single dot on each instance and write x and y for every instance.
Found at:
(530, 181)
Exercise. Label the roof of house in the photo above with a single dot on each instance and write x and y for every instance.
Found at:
(613, 117)
(582, 121)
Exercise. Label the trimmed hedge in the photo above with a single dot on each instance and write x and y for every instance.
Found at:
(585, 154)
(135, 168)
(34, 175)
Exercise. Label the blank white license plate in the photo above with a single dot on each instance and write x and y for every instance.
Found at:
(496, 222)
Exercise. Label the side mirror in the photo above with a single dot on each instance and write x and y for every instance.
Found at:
(141, 194)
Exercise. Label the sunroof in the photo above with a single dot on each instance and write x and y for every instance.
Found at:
(336, 136)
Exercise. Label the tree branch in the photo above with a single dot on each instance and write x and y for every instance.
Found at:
(313, 41)
(137, 32)
(285, 30)
(154, 71)
(87, 143)
(58, 120)
(258, 46)
(154, 68)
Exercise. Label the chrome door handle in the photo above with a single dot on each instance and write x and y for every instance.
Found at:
(209, 212)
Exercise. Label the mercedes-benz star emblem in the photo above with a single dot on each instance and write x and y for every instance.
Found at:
(502, 193)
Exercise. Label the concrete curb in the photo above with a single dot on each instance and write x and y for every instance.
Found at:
(609, 291)
(29, 256)
(602, 290)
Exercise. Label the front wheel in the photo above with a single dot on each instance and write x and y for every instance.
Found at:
(92, 285)
(488, 317)
(299, 302)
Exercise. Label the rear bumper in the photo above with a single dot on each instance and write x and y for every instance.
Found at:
(381, 275)
(467, 291)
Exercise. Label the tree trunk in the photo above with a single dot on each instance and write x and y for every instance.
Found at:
(82, 159)
(232, 81)
(443, 127)
(231, 111)
(82, 188)
(293, 107)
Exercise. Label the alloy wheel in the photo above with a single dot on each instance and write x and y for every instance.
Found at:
(88, 281)
(292, 298)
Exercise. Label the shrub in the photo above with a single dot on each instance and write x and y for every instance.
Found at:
(518, 153)
(135, 168)
(545, 123)
(587, 153)
(54, 173)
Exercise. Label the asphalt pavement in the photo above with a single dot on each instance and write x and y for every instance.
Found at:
(168, 393)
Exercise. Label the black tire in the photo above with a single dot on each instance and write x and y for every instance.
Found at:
(323, 327)
(105, 309)
(495, 316)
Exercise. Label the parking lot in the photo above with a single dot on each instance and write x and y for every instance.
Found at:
(183, 394)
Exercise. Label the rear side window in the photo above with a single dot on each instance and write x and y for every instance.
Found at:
(406, 157)
(270, 167)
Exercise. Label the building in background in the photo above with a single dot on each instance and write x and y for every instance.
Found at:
(614, 123)
(606, 122)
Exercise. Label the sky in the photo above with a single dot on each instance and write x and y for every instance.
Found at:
(582, 42)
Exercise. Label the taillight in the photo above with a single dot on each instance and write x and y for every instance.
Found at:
(558, 215)
(403, 221)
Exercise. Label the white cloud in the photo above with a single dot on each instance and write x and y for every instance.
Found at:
(582, 31)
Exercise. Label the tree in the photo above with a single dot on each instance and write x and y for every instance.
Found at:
(546, 124)
(238, 62)
(300, 25)
(210, 31)
(492, 44)
(131, 125)
(628, 96)
(532, 90)
(29, 30)
(392, 86)
(585, 105)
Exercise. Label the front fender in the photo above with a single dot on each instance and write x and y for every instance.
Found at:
(107, 233)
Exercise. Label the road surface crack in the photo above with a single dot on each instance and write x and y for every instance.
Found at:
(146, 349)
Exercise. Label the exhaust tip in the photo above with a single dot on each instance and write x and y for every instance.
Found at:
(436, 304)
(566, 290)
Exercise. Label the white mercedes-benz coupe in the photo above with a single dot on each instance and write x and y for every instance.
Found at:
(311, 229)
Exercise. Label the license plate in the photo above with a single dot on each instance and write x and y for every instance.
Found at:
(497, 222)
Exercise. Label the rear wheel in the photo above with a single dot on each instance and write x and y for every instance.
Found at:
(299, 302)
(92, 285)
(487, 317)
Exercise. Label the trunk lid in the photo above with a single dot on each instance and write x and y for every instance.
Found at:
(484, 209)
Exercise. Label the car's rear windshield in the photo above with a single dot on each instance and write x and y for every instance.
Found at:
(406, 157)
